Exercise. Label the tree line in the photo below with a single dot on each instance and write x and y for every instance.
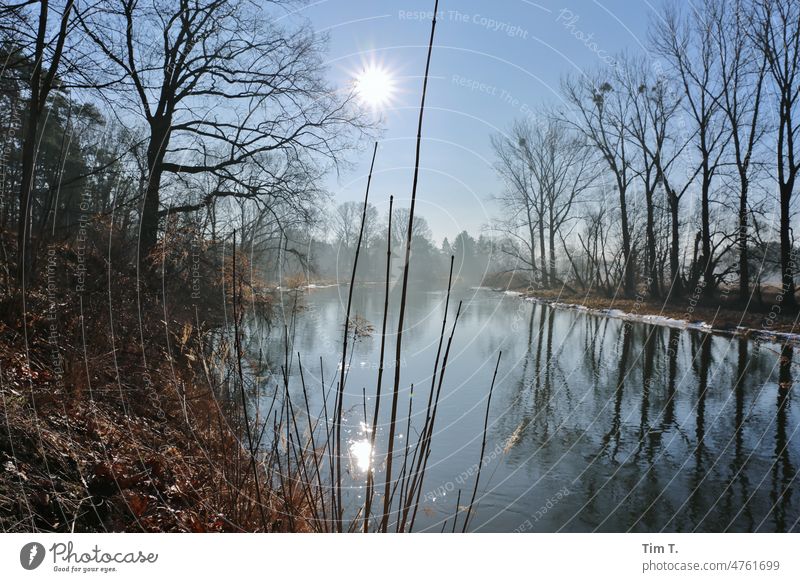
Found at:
(325, 250)
(667, 172)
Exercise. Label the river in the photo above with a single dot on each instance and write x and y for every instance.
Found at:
(596, 424)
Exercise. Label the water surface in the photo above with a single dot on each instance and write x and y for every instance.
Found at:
(596, 424)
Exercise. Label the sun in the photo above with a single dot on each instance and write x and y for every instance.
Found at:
(375, 86)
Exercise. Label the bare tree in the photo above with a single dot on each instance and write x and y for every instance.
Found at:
(598, 271)
(420, 231)
(686, 43)
(546, 168)
(345, 224)
(601, 113)
(742, 69)
(521, 201)
(223, 87)
(777, 33)
(652, 112)
(564, 172)
(348, 222)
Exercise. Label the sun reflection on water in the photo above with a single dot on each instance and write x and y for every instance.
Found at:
(361, 449)
(361, 452)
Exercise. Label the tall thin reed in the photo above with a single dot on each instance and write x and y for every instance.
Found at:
(404, 293)
(483, 444)
(340, 393)
(434, 375)
(311, 430)
(458, 508)
(328, 447)
(240, 371)
(300, 458)
(374, 428)
(404, 469)
(426, 449)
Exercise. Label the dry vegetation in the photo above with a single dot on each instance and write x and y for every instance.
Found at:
(138, 434)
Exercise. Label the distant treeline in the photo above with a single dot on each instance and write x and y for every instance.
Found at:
(326, 251)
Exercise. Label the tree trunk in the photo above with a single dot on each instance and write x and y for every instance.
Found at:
(787, 270)
(628, 284)
(159, 139)
(552, 233)
(543, 252)
(744, 269)
(28, 155)
(28, 160)
(652, 267)
(674, 249)
(708, 264)
(532, 235)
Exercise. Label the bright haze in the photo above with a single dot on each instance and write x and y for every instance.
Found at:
(494, 62)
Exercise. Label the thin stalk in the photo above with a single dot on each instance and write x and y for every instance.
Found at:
(328, 445)
(283, 483)
(414, 459)
(455, 517)
(370, 475)
(311, 430)
(404, 470)
(289, 467)
(340, 396)
(420, 476)
(300, 457)
(404, 294)
(483, 444)
(364, 403)
(240, 371)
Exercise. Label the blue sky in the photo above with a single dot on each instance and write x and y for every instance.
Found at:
(493, 62)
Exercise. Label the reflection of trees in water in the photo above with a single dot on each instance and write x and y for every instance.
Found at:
(650, 427)
(701, 361)
(738, 481)
(684, 440)
(653, 334)
(783, 474)
(612, 437)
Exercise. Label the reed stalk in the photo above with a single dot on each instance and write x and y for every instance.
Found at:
(404, 292)
(238, 347)
(426, 448)
(340, 393)
(374, 428)
(311, 430)
(483, 444)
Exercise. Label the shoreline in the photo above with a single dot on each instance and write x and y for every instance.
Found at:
(720, 320)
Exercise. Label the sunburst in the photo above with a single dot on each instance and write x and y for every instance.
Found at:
(375, 86)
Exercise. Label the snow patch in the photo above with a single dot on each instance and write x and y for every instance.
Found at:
(634, 317)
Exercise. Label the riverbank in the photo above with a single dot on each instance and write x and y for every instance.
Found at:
(723, 315)
(112, 415)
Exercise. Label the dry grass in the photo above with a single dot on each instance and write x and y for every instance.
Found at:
(138, 433)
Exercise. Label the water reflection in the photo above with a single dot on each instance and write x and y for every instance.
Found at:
(783, 474)
(648, 428)
(361, 452)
